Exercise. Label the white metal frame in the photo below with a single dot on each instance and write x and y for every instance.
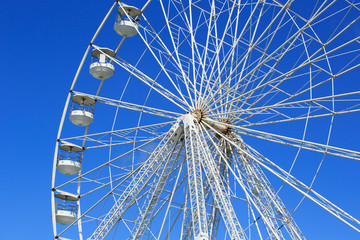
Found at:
(229, 70)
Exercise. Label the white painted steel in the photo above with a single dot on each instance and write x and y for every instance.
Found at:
(211, 93)
(53, 206)
(153, 164)
(194, 159)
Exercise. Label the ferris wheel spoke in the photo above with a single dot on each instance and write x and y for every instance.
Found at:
(252, 79)
(348, 101)
(247, 95)
(211, 74)
(298, 104)
(207, 50)
(285, 75)
(191, 31)
(302, 118)
(299, 93)
(123, 142)
(274, 116)
(112, 143)
(197, 57)
(111, 161)
(219, 48)
(158, 60)
(168, 55)
(102, 138)
(152, 84)
(219, 41)
(303, 144)
(290, 41)
(174, 36)
(213, 48)
(229, 55)
(103, 185)
(189, 21)
(269, 225)
(296, 184)
(234, 99)
(265, 196)
(305, 190)
(253, 46)
(232, 54)
(135, 107)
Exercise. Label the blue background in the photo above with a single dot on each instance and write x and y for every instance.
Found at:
(42, 43)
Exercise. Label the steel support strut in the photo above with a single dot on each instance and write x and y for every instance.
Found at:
(160, 179)
(157, 159)
(193, 159)
(198, 154)
(265, 197)
(220, 194)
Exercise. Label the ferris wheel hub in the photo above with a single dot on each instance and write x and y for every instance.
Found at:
(198, 114)
(219, 126)
(217, 72)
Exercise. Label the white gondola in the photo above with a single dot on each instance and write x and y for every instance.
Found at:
(66, 207)
(82, 110)
(101, 66)
(69, 159)
(126, 21)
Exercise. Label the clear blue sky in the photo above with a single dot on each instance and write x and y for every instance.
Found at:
(42, 43)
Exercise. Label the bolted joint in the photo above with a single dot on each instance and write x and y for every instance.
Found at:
(198, 114)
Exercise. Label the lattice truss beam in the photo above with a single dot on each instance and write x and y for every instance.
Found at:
(265, 197)
(205, 177)
(210, 158)
(160, 157)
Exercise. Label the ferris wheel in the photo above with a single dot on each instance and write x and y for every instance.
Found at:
(214, 119)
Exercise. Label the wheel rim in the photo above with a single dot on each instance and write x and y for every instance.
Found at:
(261, 81)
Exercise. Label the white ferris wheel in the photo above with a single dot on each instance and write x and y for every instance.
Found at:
(212, 119)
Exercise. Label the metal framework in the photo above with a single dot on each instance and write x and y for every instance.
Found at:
(221, 121)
